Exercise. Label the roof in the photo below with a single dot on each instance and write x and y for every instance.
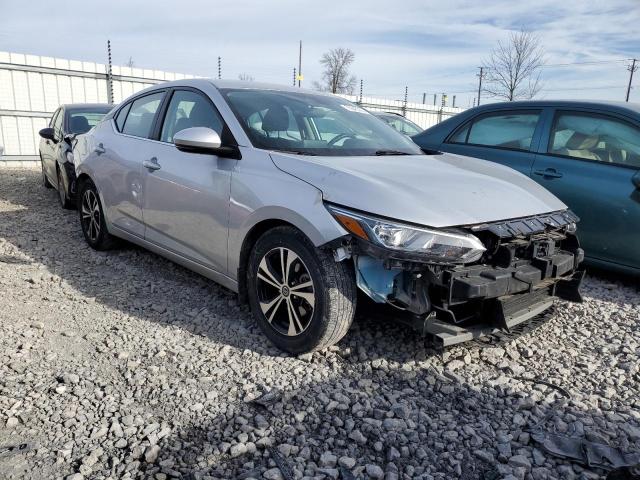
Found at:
(237, 84)
(622, 107)
(77, 106)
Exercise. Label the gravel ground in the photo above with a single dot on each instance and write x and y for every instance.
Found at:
(124, 365)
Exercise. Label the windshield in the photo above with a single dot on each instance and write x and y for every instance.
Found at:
(401, 124)
(310, 124)
(82, 120)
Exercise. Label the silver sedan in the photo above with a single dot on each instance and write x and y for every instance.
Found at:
(297, 199)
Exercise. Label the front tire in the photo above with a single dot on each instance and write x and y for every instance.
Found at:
(65, 202)
(300, 296)
(92, 219)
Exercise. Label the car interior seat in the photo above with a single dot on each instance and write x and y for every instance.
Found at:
(582, 146)
(79, 124)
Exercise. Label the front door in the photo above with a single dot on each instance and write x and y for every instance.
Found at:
(49, 148)
(590, 163)
(504, 136)
(186, 195)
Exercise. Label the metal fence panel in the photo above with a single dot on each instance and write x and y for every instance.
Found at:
(32, 87)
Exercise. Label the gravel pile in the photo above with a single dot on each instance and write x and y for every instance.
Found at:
(124, 365)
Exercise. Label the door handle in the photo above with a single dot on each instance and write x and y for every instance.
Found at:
(99, 149)
(549, 173)
(151, 164)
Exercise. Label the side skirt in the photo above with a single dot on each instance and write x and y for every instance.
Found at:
(207, 272)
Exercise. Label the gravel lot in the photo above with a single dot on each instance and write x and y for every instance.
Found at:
(124, 365)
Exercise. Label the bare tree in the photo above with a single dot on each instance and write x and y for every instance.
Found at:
(336, 77)
(130, 63)
(513, 69)
(245, 77)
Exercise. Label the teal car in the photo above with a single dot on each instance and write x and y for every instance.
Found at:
(586, 153)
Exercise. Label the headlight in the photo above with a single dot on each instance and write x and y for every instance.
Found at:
(436, 245)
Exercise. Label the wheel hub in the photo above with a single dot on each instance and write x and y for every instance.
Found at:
(285, 291)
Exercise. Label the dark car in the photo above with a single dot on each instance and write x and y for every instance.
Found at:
(586, 153)
(400, 123)
(55, 146)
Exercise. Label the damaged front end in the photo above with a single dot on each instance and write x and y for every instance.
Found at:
(463, 283)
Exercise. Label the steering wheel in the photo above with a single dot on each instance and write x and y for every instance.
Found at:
(339, 137)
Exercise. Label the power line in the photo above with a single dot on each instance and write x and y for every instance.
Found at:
(595, 62)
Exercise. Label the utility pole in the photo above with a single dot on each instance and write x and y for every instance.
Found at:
(454, 102)
(632, 68)
(434, 99)
(109, 75)
(300, 64)
(404, 105)
(219, 68)
(480, 83)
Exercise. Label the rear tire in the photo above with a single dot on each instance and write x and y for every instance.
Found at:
(92, 220)
(300, 296)
(45, 181)
(65, 202)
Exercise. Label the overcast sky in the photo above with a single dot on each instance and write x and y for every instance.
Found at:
(429, 46)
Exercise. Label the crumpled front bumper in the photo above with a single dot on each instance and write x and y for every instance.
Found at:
(457, 303)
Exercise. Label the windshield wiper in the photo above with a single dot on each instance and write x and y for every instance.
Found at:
(298, 152)
(391, 152)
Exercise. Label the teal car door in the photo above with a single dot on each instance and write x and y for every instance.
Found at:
(591, 161)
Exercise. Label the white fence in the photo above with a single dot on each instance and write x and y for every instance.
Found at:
(32, 87)
(422, 114)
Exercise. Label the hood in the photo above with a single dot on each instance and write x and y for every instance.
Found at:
(432, 190)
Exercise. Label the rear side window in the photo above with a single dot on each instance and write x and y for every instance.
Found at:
(508, 130)
(595, 137)
(122, 116)
(139, 121)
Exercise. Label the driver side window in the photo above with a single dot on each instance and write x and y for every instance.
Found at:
(57, 125)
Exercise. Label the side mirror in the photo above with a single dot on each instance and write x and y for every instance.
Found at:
(203, 140)
(48, 134)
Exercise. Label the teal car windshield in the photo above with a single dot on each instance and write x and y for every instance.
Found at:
(310, 124)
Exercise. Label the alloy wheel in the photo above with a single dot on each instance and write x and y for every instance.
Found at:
(285, 291)
(91, 215)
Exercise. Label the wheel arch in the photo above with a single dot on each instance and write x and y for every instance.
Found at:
(320, 231)
(249, 241)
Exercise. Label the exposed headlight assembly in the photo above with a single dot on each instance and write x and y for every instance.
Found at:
(435, 245)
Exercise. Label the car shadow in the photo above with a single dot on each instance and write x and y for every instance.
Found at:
(416, 422)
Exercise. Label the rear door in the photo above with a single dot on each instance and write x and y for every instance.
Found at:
(503, 136)
(591, 161)
(121, 153)
(186, 199)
